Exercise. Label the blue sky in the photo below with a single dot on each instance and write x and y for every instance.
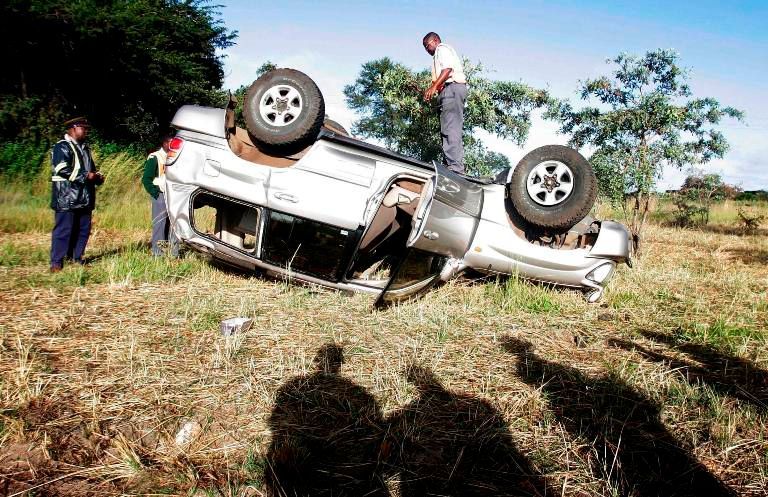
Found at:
(544, 44)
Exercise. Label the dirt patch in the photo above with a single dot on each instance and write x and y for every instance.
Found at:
(61, 444)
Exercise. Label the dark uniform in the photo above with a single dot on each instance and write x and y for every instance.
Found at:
(73, 197)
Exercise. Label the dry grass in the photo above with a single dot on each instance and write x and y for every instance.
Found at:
(101, 368)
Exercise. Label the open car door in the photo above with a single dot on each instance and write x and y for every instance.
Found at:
(442, 228)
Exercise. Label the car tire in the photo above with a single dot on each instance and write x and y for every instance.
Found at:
(283, 110)
(553, 187)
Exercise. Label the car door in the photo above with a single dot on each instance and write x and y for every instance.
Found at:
(443, 225)
(328, 185)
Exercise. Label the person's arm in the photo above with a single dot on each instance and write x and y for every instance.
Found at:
(435, 87)
(150, 173)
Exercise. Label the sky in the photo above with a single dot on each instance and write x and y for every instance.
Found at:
(551, 45)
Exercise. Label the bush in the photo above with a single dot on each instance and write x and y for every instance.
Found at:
(690, 215)
(22, 159)
(757, 195)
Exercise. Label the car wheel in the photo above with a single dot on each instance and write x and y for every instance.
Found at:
(553, 187)
(283, 109)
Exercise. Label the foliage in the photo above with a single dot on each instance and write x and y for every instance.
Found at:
(126, 65)
(698, 183)
(388, 96)
(22, 159)
(690, 214)
(646, 120)
(750, 221)
(696, 196)
(755, 195)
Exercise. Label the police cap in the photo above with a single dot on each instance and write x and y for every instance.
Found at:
(76, 121)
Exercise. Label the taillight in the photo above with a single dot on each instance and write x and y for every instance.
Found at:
(174, 149)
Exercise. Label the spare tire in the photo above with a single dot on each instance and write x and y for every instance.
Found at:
(553, 187)
(283, 110)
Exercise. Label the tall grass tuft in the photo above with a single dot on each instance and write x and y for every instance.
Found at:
(121, 202)
(515, 293)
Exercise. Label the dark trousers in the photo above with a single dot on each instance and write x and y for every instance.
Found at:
(71, 230)
(161, 228)
(452, 100)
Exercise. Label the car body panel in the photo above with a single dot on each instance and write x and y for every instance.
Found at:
(328, 185)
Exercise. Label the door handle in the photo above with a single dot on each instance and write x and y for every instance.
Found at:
(285, 196)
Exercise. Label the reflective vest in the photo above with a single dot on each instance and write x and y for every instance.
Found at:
(161, 157)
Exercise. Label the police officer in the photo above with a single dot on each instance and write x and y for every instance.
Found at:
(73, 193)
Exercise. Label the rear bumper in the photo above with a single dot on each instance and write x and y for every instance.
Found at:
(613, 242)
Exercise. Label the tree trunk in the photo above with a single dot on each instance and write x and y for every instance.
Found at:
(643, 196)
(23, 85)
(639, 217)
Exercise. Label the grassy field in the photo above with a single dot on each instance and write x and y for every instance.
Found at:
(115, 380)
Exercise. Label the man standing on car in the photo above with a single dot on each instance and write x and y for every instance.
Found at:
(73, 193)
(153, 180)
(450, 83)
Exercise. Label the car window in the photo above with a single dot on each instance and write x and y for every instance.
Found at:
(231, 222)
(308, 247)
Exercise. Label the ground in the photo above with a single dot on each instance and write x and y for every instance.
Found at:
(482, 387)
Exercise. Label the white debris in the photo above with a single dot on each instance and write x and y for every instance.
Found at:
(189, 430)
(235, 325)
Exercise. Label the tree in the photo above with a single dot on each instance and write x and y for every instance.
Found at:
(646, 121)
(696, 195)
(126, 65)
(388, 96)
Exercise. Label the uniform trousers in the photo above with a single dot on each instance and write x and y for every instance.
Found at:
(161, 228)
(71, 230)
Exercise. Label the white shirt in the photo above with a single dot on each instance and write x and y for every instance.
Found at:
(446, 57)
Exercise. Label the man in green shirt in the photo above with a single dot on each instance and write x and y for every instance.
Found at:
(153, 180)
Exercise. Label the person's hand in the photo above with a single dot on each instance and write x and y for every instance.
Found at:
(429, 93)
(95, 177)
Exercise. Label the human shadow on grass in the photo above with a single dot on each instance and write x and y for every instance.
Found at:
(631, 447)
(327, 435)
(725, 374)
(453, 444)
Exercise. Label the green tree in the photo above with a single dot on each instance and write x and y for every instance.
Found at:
(697, 194)
(127, 65)
(646, 120)
(388, 96)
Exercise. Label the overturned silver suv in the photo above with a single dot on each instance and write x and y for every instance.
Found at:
(295, 196)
